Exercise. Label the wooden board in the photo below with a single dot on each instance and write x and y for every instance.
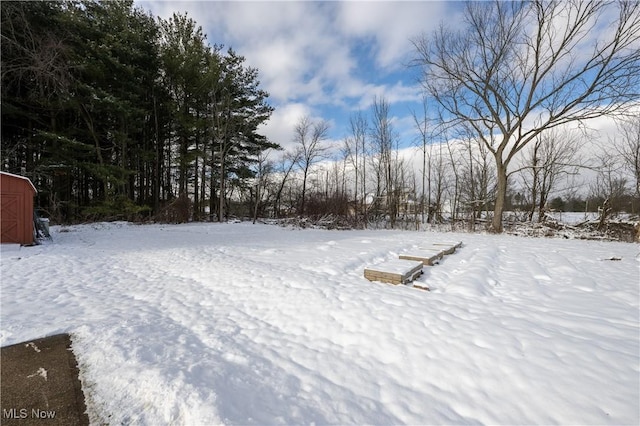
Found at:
(426, 256)
(448, 247)
(455, 244)
(421, 286)
(394, 271)
(436, 251)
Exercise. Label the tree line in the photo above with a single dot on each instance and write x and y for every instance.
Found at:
(114, 114)
(367, 180)
(518, 70)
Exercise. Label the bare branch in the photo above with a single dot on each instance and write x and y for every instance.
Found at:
(519, 69)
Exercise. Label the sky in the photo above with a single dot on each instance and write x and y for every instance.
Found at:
(326, 60)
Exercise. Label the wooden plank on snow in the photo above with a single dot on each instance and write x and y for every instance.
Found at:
(448, 247)
(394, 271)
(428, 257)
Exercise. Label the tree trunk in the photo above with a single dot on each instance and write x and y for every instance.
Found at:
(304, 190)
(501, 192)
(221, 189)
(542, 204)
(536, 183)
(365, 218)
(203, 180)
(157, 161)
(255, 204)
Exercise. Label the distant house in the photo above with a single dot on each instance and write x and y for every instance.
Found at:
(16, 209)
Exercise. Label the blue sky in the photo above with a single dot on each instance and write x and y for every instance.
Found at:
(323, 59)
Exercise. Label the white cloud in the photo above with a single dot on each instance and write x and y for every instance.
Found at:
(391, 24)
(324, 58)
(279, 128)
(398, 92)
(310, 51)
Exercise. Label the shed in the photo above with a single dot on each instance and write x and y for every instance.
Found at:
(16, 209)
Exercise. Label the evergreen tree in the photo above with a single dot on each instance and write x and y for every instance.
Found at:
(239, 108)
(112, 114)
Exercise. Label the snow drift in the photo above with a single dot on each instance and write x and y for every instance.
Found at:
(256, 324)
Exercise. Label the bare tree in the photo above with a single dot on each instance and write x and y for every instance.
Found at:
(355, 147)
(426, 146)
(520, 68)
(384, 139)
(264, 170)
(405, 184)
(554, 154)
(609, 188)
(33, 54)
(440, 175)
(454, 189)
(627, 146)
(309, 137)
(477, 177)
(285, 166)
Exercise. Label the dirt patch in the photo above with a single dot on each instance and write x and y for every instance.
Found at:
(40, 384)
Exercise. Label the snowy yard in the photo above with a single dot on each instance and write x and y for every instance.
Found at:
(257, 324)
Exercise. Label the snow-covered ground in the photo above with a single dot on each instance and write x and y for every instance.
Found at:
(258, 324)
(572, 218)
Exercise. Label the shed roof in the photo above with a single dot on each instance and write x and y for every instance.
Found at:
(20, 177)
